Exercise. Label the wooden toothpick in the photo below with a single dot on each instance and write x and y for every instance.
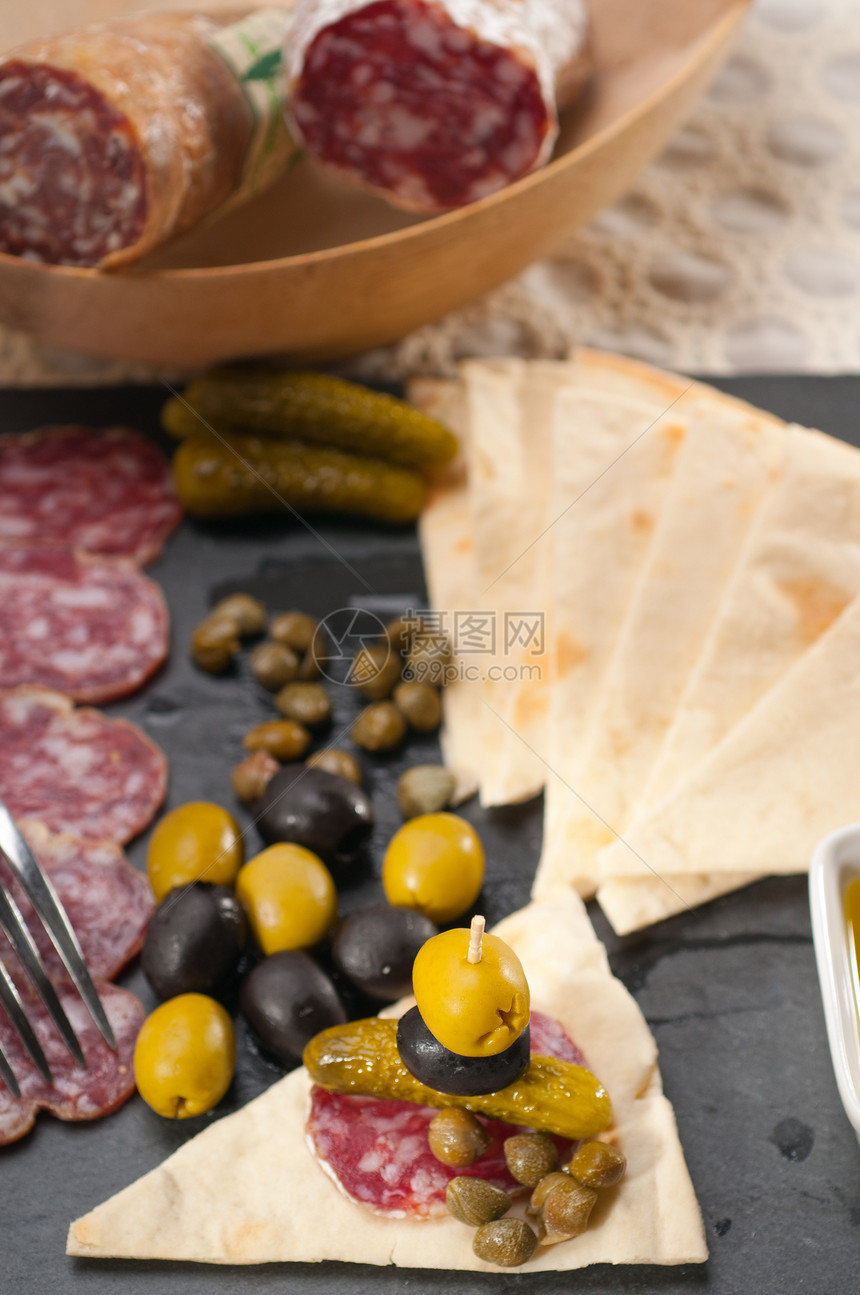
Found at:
(476, 935)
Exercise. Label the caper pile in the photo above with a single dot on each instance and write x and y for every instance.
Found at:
(400, 676)
(561, 1201)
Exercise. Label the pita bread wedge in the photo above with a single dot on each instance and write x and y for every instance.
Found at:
(800, 569)
(614, 464)
(248, 1190)
(726, 465)
(445, 529)
(509, 450)
(786, 775)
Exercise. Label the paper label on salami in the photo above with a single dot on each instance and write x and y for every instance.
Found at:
(253, 50)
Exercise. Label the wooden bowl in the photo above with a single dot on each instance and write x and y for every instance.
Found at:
(321, 271)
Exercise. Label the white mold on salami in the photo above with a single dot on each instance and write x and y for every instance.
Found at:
(435, 103)
(93, 628)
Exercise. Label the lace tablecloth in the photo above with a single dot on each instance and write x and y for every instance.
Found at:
(738, 249)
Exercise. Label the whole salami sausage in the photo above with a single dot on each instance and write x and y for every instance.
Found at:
(435, 103)
(118, 136)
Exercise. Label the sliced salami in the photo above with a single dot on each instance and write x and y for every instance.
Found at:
(108, 491)
(109, 903)
(435, 103)
(378, 1153)
(92, 628)
(120, 135)
(76, 1093)
(76, 770)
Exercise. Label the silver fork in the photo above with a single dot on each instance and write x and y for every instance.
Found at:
(54, 919)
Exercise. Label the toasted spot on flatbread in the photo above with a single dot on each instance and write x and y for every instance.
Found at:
(641, 522)
(817, 605)
(570, 653)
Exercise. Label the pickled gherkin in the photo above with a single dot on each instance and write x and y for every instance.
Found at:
(311, 407)
(246, 475)
(552, 1096)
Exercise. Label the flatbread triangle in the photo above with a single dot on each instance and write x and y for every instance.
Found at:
(248, 1190)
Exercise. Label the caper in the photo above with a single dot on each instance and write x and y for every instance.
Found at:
(597, 1164)
(566, 1210)
(283, 738)
(273, 665)
(543, 1190)
(294, 629)
(419, 704)
(401, 631)
(251, 778)
(307, 703)
(247, 613)
(429, 659)
(338, 762)
(474, 1200)
(424, 789)
(530, 1157)
(506, 1242)
(376, 669)
(457, 1137)
(379, 727)
(214, 644)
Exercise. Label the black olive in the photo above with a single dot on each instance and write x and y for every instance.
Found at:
(194, 941)
(424, 1056)
(287, 999)
(316, 809)
(376, 947)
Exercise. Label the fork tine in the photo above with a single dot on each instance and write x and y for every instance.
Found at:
(15, 928)
(7, 1074)
(11, 1000)
(54, 918)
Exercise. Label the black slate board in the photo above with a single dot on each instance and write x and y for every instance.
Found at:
(730, 990)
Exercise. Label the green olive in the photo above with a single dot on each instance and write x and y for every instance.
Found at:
(434, 863)
(214, 644)
(506, 1242)
(376, 669)
(597, 1164)
(424, 789)
(530, 1157)
(251, 778)
(474, 1200)
(307, 703)
(379, 727)
(401, 631)
(342, 763)
(273, 665)
(474, 1009)
(457, 1137)
(283, 738)
(289, 896)
(419, 704)
(294, 629)
(247, 613)
(543, 1189)
(184, 1056)
(196, 842)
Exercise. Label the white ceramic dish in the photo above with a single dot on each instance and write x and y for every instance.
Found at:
(835, 864)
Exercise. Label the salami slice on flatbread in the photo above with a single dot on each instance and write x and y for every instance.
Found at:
(248, 1190)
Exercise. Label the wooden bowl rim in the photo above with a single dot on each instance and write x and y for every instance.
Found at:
(713, 35)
